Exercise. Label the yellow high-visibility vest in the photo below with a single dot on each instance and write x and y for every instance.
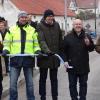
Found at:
(1, 42)
(12, 41)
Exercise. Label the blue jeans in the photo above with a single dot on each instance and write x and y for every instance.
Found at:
(73, 79)
(14, 75)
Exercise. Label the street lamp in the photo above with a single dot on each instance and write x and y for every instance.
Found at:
(65, 16)
(2, 2)
(95, 13)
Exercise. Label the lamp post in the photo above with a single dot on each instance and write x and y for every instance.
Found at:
(95, 13)
(65, 16)
(2, 3)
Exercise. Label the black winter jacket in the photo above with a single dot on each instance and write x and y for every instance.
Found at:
(77, 53)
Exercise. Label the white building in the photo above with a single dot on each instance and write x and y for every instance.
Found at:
(10, 11)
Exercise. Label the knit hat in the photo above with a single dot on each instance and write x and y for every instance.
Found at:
(22, 14)
(48, 13)
(2, 19)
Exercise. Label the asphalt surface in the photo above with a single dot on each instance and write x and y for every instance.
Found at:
(93, 83)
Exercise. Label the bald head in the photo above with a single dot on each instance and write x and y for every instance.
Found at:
(77, 21)
(77, 25)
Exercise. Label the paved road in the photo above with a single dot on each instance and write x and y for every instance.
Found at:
(93, 83)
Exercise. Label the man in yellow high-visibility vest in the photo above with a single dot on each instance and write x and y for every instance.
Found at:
(22, 39)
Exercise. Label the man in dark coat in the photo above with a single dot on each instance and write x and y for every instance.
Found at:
(50, 38)
(97, 47)
(77, 45)
(32, 23)
(3, 31)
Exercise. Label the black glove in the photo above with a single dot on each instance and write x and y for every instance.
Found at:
(50, 53)
(5, 52)
(40, 54)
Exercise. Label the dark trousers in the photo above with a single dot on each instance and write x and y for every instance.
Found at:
(1, 89)
(1, 78)
(53, 79)
(73, 78)
(6, 59)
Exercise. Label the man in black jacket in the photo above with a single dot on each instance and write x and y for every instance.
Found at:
(50, 38)
(1, 46)
(77, 45)
(3, 30)
(32, 23)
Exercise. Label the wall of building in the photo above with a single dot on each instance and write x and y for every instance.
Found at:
(10, 12)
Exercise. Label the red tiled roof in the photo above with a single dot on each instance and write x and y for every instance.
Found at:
(37, 7)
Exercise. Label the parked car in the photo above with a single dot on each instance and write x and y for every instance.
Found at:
(93, 34)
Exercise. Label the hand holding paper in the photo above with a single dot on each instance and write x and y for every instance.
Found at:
(66, 65)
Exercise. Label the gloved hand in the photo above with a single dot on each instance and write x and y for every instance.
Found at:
(5, 52)
(66, 65)
(50, 53)
(39, 53)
